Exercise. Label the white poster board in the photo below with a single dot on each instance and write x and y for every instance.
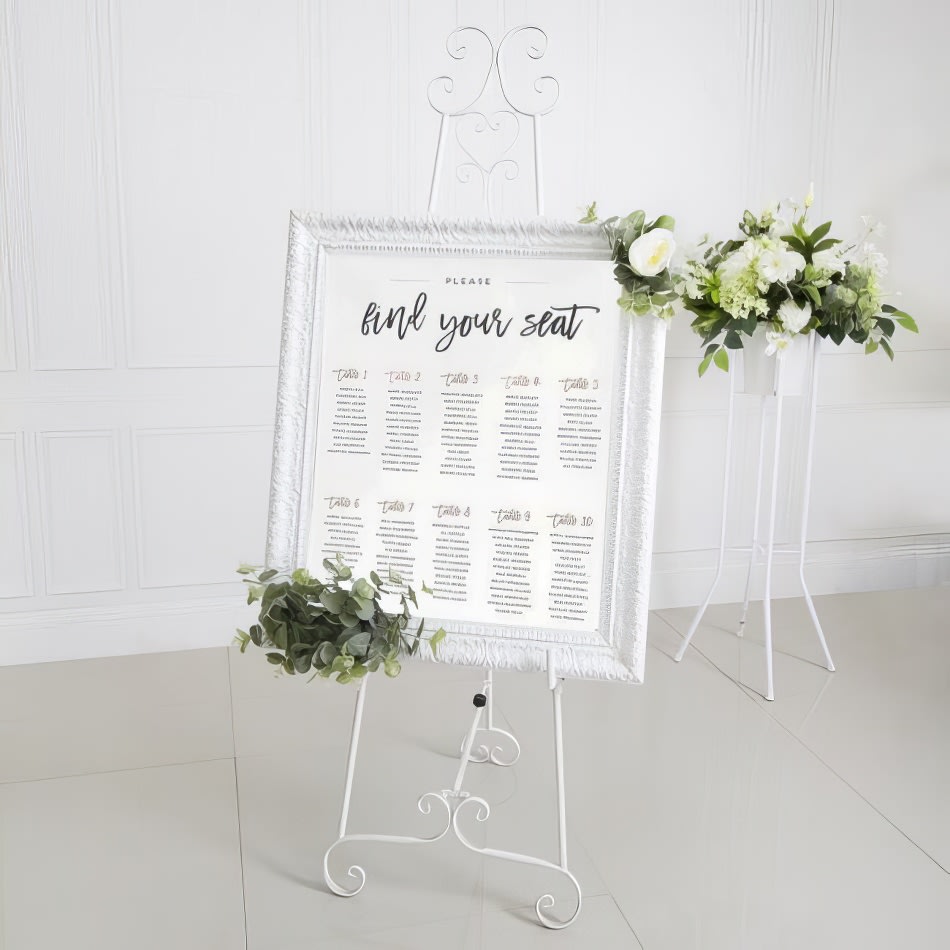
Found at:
(468, 407)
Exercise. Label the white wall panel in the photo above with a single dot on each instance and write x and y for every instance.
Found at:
(13, 218)
(889, 142)
(65, 58)
(850, 378)
(670, 113)
(7, 347)
(359, 47)
(15, 573)
(80, 497)
(150, 153)
(690, 480)
(201, 502)
(881, 473)
(211, 139)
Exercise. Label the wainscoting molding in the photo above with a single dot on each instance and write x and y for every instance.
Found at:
(16, 570)
(682, 578)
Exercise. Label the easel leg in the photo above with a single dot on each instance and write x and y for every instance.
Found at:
(437, 167)
(492, 747)
(722, 524)
(455, 801)
(355, 871)
(556, 685)
(482, 811)
(466, 755)
(424, 804)
(351, 755)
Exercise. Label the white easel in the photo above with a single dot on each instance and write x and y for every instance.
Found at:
(455, 800)
(811, 392)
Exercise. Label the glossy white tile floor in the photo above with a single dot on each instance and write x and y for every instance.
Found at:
(184, 800)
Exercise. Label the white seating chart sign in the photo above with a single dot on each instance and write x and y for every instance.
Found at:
(464, 405)
(463, 432)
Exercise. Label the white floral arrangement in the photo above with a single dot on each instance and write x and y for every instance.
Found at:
(641, 254)
(790, 280)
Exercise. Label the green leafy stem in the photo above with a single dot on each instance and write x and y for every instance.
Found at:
(334, 628)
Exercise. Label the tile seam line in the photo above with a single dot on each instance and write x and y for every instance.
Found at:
(751, 698)
(626, 920)
(237, 798)
(382, 931)
(119, 771)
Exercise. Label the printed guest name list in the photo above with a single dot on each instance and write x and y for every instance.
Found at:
(463, 433)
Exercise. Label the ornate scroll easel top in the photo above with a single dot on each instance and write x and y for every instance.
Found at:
(494, 90)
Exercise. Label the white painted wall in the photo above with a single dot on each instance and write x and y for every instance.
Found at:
(150, 152)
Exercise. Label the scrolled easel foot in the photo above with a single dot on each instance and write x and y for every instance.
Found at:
(355, 871)
(546, 901)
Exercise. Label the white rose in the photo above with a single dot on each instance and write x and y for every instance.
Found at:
(794, 317)
(651, 252)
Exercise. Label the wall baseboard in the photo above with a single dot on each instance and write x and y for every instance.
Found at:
(680, 579)
(44, 636)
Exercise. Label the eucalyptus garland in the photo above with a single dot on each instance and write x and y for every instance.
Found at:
(334, 628)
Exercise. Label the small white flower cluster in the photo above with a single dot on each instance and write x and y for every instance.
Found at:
(748, 273)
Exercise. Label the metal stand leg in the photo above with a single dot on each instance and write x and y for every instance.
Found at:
(455, 800)
(770, 547)
(722, 525)
(753, 551)
(812, 396)
(806, 499)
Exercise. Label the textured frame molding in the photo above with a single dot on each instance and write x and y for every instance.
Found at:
(634, 439)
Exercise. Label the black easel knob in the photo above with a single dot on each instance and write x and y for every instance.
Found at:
(479, 700)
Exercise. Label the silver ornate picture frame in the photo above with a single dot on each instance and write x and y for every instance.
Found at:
(614, 647)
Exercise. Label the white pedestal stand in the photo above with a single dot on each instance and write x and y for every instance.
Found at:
(455, 800)
(777, 394)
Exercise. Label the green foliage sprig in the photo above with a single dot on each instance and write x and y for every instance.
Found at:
(641, 251)
(338, 627)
